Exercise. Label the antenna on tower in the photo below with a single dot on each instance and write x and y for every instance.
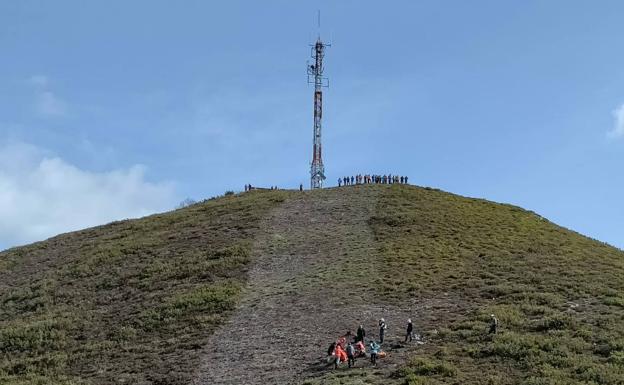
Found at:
(315, 76)
(318, 23)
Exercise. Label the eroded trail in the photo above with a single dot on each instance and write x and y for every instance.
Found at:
(303, 291)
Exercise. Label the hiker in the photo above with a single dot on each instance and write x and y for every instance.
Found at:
(330, 350)
(382, 330)
(405, 180)
(351, 180)
(410, 329)
(341, 356)
(360, 349)
(374, 351)
(493, 324)
(351, 354)
(361, 333)
(339, 182)
(300, 186)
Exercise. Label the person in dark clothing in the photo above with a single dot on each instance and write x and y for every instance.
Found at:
(382, 330)
(410, 329)
(351, 354)
(361, 333)
(493, 324)
(331, 349)
(405, 180)
(300, 186)
(352, 180)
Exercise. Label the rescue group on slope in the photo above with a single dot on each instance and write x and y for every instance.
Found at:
(371, 179)
(346, 350)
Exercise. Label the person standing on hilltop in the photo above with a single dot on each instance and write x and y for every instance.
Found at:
(339, 182)
(493, 324)
(361, 333)
(352, 180)
(409, 331)
(382, 330)
(405, 180)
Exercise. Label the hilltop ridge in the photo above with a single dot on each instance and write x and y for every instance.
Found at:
(251, 288)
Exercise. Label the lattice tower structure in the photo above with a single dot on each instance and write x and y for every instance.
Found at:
(315, 76)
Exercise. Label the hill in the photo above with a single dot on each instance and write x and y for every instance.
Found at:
(251, 288)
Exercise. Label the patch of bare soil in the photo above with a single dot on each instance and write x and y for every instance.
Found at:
(304, 290)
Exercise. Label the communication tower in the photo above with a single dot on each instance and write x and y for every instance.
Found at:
(315, 76)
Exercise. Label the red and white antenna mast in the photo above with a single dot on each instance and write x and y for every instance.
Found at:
(315, 75)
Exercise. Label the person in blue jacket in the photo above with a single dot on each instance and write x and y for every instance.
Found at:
(374, 351)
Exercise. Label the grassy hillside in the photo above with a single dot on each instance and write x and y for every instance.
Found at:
(131, 302)
(559, 295)
(136, 301)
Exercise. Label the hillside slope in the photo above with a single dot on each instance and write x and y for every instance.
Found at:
(252, 288)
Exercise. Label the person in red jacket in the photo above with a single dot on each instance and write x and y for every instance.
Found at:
(341, 355)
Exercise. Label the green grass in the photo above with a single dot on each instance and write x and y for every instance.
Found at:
(132, 301)
(135, 301)
(558, 295)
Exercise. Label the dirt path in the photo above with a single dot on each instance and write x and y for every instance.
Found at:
(288, 315)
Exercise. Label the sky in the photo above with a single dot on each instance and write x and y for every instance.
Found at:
(118, 109)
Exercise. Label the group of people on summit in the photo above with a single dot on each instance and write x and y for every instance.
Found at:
(371, 178)
(346, 350)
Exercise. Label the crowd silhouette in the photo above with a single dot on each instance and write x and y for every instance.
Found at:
(371, 179)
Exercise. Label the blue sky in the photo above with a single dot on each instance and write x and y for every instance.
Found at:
(117, 109)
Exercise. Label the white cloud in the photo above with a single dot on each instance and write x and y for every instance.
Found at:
(47, 103)
(618, 129)
(42, 195)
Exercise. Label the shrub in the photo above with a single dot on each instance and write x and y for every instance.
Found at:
(557, 322)
(32, 337)
(425, 367)
(512, 346)
(617, 358)
(614, 301)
